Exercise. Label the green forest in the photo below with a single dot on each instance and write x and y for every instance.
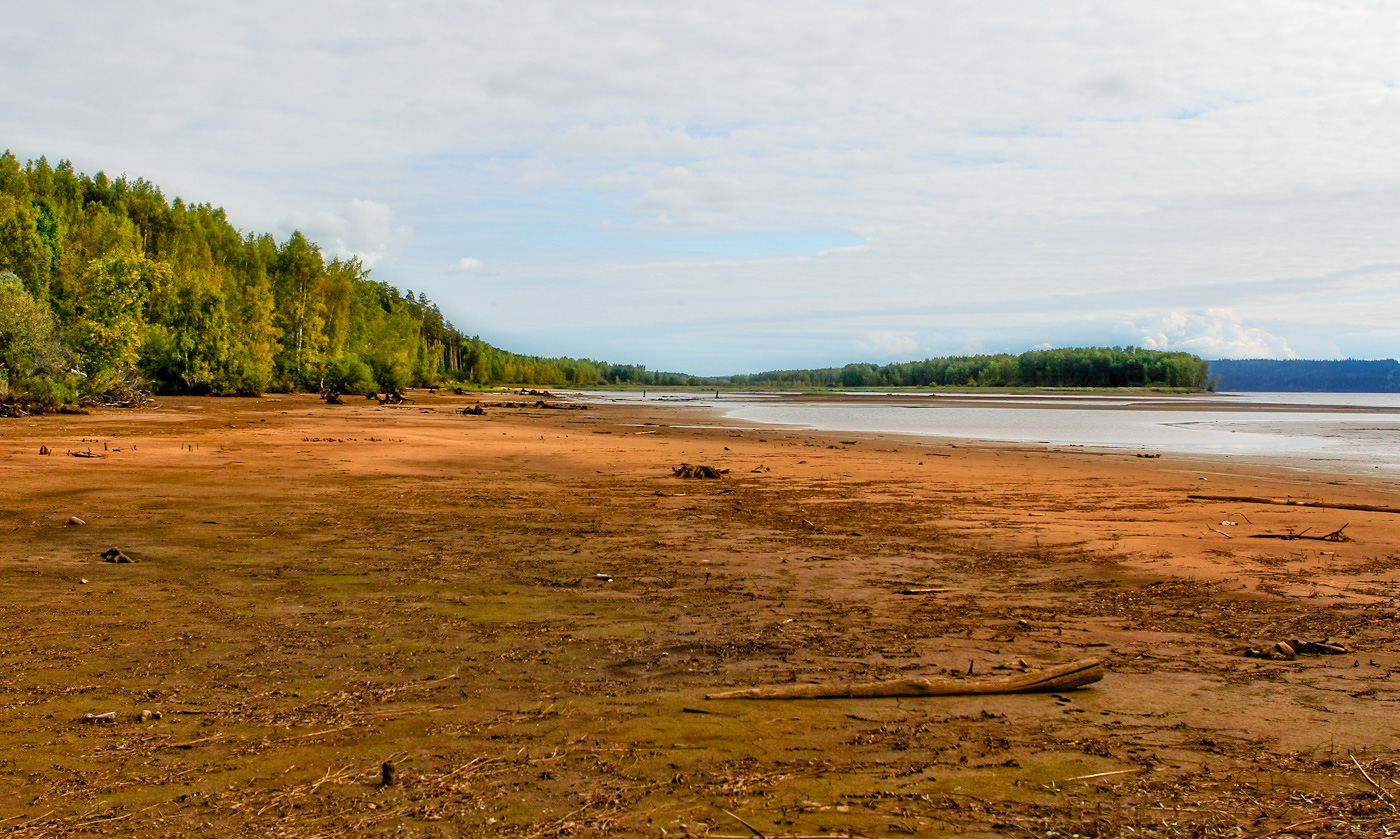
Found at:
(1079, 367)
(108, 290)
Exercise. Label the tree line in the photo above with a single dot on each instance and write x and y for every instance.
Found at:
(1345, 376)
(107, 288)
(1079, 367)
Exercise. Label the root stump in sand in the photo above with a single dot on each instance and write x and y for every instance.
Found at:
(691, 470)
(116, 555)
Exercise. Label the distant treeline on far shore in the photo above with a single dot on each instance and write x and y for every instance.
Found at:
(108, 290)
(1298, 375)
(1080, 367)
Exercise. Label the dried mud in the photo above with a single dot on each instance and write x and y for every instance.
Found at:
(521, 613)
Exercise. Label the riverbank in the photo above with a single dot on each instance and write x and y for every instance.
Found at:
(521, 613)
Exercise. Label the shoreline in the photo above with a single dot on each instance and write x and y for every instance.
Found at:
(1300, 463)
(523, 611)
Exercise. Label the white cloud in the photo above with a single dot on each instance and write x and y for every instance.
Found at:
(887, 346)
(1214, 333)
(364, 231)
(998, 159)
(466, 265)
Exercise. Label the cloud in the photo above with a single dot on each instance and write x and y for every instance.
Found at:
(1021, 173)
(681, 195)
(888, 345)
(363, 231)
(466, 265)
(1213, 333)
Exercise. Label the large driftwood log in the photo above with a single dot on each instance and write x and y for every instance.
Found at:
(1294, 502)
(1065, 677)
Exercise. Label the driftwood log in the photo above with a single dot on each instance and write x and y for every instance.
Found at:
(1293, 502)
(1076, 674)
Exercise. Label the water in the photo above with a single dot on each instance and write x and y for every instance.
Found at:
(1340, 432)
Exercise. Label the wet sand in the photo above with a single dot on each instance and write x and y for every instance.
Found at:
(522, 612)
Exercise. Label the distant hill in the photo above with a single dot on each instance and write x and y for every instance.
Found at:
(1349, 376)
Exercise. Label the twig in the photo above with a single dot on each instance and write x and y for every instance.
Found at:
(1372, 781)
(1103, 774)
(1291, 826)
(189, 744)
(755, 830)
(1221, 532)
(316, 733)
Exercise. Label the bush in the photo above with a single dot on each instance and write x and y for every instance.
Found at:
(348, 374)
(34, 364)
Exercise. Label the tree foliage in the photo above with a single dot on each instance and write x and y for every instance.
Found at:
(135, 286)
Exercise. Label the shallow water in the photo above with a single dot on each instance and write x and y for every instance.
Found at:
(1327, 431)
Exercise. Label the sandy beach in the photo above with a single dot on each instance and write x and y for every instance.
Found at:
(409, 621)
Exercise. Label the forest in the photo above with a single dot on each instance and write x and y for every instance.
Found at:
(106, 288)
(108, 291)
(1080, 367)
(1345, 376)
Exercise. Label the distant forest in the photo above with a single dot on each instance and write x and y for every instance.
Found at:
(108, 290)
(1349, 376)
(1083, 367)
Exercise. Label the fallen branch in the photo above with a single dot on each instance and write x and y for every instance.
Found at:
(1065, 677)
(1290, 502)
(1335, 536)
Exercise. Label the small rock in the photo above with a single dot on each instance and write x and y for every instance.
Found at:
(148, 715)
(75, 520)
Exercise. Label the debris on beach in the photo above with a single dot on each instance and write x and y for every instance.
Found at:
(1287, 650)
(692, 470)
(473, 411)
(75, 520)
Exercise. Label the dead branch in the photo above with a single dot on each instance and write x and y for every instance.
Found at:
(1292, 502)
(1335, 536)
(1065, 677)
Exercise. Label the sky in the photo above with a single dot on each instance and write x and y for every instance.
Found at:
(722, 187)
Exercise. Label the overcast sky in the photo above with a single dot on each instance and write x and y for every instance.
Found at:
(721, 187)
